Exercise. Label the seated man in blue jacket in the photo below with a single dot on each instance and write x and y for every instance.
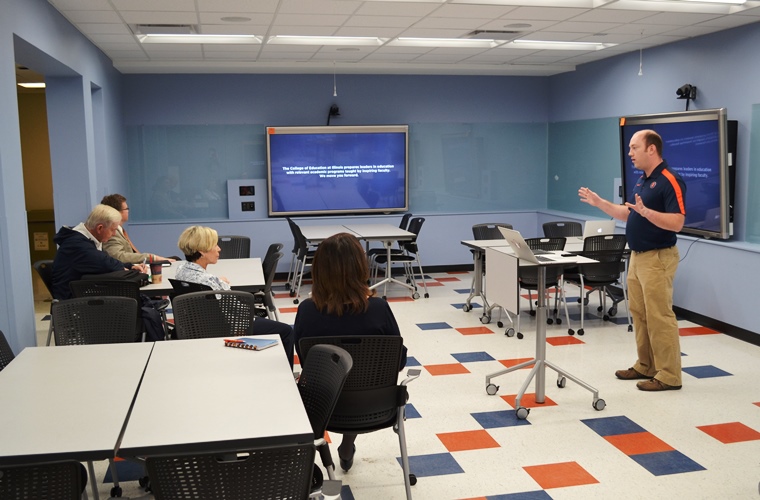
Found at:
(80, 250)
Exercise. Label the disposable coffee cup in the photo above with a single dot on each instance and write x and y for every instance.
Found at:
(155, 273)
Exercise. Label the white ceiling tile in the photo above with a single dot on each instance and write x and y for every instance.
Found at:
(612, 16)
(309, 20)
(155, 5)
(728, 22)
(216, 18)
(679, 18)
(480, 11)
(578, 27)
(396, 9)
(238, 7)
(360, 31)
(380, 22)
(93, 16)
(145, 17)
(107, 29)
(319, 7)
(544, 13)
(64, 5)
(451, 23)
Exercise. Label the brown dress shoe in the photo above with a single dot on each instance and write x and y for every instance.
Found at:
(629, 374)
(656, 385)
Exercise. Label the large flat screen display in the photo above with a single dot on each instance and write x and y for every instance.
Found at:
(337, 170)
(695, 144)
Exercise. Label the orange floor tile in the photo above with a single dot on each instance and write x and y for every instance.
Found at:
(732, 432)
(467, 440)
(447, 369)
(528, 400)
(568, 340)
(697, 330)
(475, 330)
(638, 443)
(560, 475)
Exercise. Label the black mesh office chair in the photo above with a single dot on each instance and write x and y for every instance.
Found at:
(45, 269)
(6, 354)
(120, 288)
(234, 247)
(302, 257)
(214, 313)
(560, 228)
(180, 287)
(528, 277)
(95, 320)
(609, 252)
(372, 399)
(410, 254)
(283, 471)
(52, 480)
(373, 252)
(489, 230)
(320, 385)
(265, 299)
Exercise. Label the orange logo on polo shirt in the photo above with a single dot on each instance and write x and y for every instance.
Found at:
(652, 185)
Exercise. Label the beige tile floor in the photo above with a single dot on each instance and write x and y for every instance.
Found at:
(700, 442)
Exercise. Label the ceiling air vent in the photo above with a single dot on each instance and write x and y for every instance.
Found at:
(493, 34)
(164, 29)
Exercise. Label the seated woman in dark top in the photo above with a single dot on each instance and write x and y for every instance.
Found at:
(341, 303)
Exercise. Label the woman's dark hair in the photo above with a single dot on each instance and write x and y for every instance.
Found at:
(340, 273)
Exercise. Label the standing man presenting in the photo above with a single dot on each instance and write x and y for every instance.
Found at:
(654, 216)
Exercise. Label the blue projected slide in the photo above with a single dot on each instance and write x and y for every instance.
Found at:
(320, 172)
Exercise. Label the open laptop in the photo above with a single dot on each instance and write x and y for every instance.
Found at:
(598, 228)
(523, 251)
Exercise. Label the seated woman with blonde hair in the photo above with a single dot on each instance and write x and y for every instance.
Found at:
(341, 303)
(199, 244)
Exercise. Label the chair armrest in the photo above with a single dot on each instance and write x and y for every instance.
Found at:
(411, 374)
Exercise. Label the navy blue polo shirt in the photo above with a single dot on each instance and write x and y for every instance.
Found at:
(663, 191)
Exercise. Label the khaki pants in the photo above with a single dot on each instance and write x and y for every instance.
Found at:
(650, 296)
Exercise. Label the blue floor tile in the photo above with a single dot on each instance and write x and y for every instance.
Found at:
(469, 357)
(460, 305)
(667, 462)
(411, 411)
(462, 290)
(496, 419)
(707, 371)
(412, 361)
(433, 326)
(525, 495)
(612, 426)
(437, 464)
(126, 470)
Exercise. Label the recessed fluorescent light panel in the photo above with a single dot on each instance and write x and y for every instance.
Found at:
(445, 42)
(32, 85)
(553, 45)
(325, 40)
(198, 38)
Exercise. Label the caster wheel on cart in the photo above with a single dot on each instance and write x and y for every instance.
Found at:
(520, 335)
(580, 331)
(427, 295)
(630, 328)
(485, 319)
(510, 332)
(500, 324)
(612, 311)
(522, 413)
(561, 382)
(116, 492)
(292, 293)
(570, 331)
(492, 389)
(415, 295)
(599, 404)
(467, 308)
(559, 321)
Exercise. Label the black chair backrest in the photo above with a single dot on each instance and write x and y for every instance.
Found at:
(371, 395)
(301, 246)
(608, 250)
(234, 247)
(6, 354)
(215, 313)
(277, 472)
(548, 244)
(95, 320)
(45, 269)
(268, 261)
(59, 480)
(489, 230)
(321, 383)
(562, 228)
(415, 226)
(404, 224)
(109, 288)
(182, 287)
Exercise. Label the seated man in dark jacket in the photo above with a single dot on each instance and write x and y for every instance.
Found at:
(80, 250)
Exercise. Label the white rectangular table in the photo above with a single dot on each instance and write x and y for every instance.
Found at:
(200, 396)
(244, 274)
(316, 234)
(68, 402)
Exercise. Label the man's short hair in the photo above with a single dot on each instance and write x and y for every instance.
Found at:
(102, 214)
(113, 200)
(652, 138)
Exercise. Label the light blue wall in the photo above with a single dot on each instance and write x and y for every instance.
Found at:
(725, 67)
(86, 139)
